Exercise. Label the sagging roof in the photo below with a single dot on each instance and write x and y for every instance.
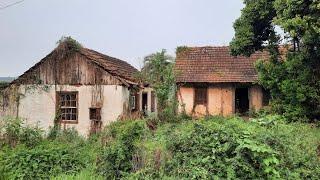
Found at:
(215, 65)
(122, 70)
(113, 65)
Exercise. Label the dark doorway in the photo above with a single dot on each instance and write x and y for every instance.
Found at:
(242, 100)
(144, 103)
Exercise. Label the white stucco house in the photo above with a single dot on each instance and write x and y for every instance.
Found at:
(76, 87)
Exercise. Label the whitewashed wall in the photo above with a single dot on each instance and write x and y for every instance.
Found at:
(39, 106)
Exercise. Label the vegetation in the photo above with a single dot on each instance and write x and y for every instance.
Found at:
(266, 147)
(70, 43)
(26, 153)
(292, 75)
(158, 70)
(182, 49)
(213, 147)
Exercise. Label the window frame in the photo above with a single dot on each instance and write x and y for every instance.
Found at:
(97, 113)
(132, 102)
(59, 107)
(200, 101)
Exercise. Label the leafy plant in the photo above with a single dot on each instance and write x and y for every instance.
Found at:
(15, 132)
(222, 148)
(70, 43)
(41, 162)
(292, 73)
(115, 159)
(158, 70)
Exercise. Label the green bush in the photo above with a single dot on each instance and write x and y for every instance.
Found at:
(67, 135)
(27, 154)
(220, 152)
(86, 174)
(120, 140)
(211, 148)
(266, 148)
(41, 162)
(14, 131)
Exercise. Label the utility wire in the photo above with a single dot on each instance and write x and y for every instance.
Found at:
(9, 5)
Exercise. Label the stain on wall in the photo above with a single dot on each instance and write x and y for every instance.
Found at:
(39, 107)
(255, 98)
(221, 100)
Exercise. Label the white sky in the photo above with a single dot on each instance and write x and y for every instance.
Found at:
(126, 29)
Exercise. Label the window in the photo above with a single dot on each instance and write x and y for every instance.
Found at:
(200, 96)
(95, 117)
(95, 113)
(68, 106)
(133, 102)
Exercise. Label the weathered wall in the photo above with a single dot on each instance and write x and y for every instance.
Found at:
(39, 106)
(228, 100)
(221, 100)
(73, 69)
(255, 97)
(186, 99)
(215, 100)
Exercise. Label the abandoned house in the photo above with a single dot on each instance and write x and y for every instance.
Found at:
(76, 87)
(212, 82)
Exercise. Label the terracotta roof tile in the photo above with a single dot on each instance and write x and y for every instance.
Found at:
(215, 64)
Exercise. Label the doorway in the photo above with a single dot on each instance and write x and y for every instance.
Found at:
(145, 103)
(242, 100)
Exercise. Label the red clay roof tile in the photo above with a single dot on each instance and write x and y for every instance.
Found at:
(215, 64)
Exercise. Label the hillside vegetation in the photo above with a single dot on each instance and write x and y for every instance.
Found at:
(213, 147)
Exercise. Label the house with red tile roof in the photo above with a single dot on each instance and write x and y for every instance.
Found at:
(212, 82)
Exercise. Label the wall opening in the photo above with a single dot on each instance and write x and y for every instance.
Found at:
(95, 118)
(201, 96)
(241, 100)
(145, 103)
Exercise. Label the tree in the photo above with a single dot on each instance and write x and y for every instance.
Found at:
(292, 75)
(159, 73)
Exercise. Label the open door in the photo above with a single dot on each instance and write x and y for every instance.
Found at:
(145, 103)
(242, 100)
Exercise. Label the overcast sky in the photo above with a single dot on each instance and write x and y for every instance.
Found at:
(126, 29)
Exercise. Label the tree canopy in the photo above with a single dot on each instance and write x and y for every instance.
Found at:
(293, 78)
(158, 71)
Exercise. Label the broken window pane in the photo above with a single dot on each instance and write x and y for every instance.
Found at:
(68, 105)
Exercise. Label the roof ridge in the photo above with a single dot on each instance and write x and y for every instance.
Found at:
(111, 57)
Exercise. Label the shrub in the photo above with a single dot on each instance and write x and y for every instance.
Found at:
(265, 148)
(67, 135)
(86, 174)
(14, 132)
(209, 151)
(120, 139)
(41, 162)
